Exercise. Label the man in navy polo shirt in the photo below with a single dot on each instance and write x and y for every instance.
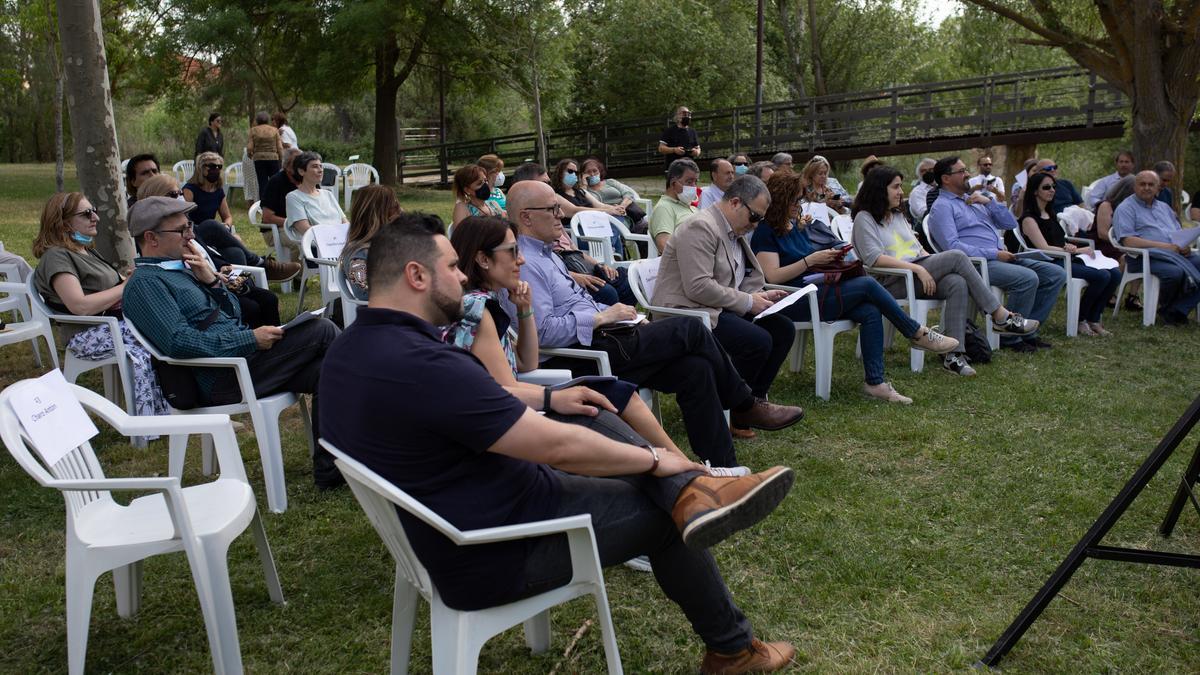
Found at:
(428, 417)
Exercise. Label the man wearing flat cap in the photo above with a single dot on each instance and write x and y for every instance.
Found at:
(178, 303)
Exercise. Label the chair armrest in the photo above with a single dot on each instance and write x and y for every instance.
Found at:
(545, 376)
(158, 484)
(229, 457)
(981, 266)
(524, 530)
(258, 274)
(1081, 241)
(601, 358)
(910, 286)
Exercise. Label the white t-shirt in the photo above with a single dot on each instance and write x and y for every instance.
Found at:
(319, 209)
(993, 181)
(288, 136)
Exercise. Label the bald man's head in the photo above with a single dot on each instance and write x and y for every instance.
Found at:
(533, 206)
(1146, 185)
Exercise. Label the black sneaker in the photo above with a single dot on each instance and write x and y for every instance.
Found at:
(1173, 318)
(1019, 346)
(1038, 343)
(1015, 324)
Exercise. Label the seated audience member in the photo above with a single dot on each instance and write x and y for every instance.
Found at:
(917, 204)
(741, 163)
(260, 307)
(565, 181)
(820, 187)
(762, 170)
(274, 201)
(488, 256)
(869, 163)
(287, 135)
(479, 456)
(180, 304)
(680, 140)
(1143, 221)
(138, 169)
(1194, 214)
(1042, 231)
(472, 194)
(374, 206)
(781, 161)
(969, 223)
(74, 279)
(1065, 193)
(308, 205)
(1102, 232)
(991, 185)
(1014, 195)
(494, 166)
(606, 285)
(1124, 164)
(678, 355)
(722, 174)
(883, 238)
(676, 202)
(1166, 175)
(788, 247)
(612, 192)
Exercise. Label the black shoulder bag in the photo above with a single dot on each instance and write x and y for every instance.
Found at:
(177, 382)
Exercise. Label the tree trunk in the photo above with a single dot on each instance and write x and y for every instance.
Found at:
(537, 117)
(93, 129)
(1014, 159)
(792, 38)
(815, 46)
(386, 88)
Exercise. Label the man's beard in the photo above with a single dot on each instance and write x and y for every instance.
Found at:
(448, 307)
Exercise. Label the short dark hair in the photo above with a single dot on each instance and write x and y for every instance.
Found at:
(872, 197)
(300, 162)
(679, 167)
(527, 171)
(406, 239)
(1162, 166)
(942, 169)
(1125, 153)
(746, 188)
(213, 116)
(474, 234)
(131, 169)
(261, 117)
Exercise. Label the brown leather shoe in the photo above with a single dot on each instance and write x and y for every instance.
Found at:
(710, 508)
(280, 271)
(759, 657)
(746, 434)
(766, 415)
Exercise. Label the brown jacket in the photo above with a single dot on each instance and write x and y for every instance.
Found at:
(697, 268)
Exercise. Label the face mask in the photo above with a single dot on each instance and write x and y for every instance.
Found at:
(685, 121)
(688, 194)
(500, 179)
(212, 176)
(180, 198)
(570, 179)
(81, 237)
(740, 169)
(593, 179)
(172, 265)
(482, 192)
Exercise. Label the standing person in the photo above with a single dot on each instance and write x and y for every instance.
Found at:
(1042, 231)
(287, 135)
(985, 181)
(264, 147)
(1124, 164)
(210, 138)
(883, 238)
(308, 204)
(680, 140)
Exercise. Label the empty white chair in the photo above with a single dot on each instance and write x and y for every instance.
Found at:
(183, 170)
(31, 328)
(102, 535)
(235, 178)
(330, 177)
(356, 176)
(264, 414)
(457, 636)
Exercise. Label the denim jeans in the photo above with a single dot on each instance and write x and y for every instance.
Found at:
(863, 301)
(1101, 285)
(615, 290)
(1171, 295)
(1032, 287)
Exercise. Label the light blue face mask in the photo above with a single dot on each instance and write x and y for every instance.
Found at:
(593, 179)
(570, 179)
(172, 265)
(82, 238)
(740, 169)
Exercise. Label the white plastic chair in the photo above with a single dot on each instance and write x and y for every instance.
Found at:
(29, 330)
(330, 177)
(356, 176)
(1074, 286)
(350, 303)
(594, 228)
(282, 252)
(327, 270)
(993, 338)
(1150, 283)
(457, 636)
(235, 179)
(124, 165)
(918, 309)
(102, 535)
(264, 414)
(183, 170)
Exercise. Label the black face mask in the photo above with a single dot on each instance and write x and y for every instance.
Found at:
(483, 191)
(212, 176)
(685, 121)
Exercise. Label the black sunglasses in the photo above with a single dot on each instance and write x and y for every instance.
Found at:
(86, 213)
(214, 166)
(173, 194)
(754, 217)
(741, 163)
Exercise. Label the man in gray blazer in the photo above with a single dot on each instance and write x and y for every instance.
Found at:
(708, 265)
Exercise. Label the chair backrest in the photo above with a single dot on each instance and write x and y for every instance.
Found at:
(234, 176)
(843, 226)
(124, 165)
(78, 464)
(642, 275)
(183, 170)
(141, 340)
(594, 224)
(9, 272)
(36, 302)
(329, 178)
(255, 214)
(350, 303)
(360, 174)
(928, 237)
(1021, 235)
(334, 236)
(379, 499)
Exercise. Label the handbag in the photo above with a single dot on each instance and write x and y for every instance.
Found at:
(177, 382)
(834, 272)
(575, 261)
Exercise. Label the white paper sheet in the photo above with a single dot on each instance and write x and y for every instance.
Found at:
(1185, 236)
(52, 416)
(632, 322)
(330, 239)
(784, 303)
(1098, 261)
(595, 224)
(303, 317)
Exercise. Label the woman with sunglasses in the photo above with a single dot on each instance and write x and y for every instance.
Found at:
(820, 188)
(741, 163)
(788, 247)
(74, 279)
(1041, 230)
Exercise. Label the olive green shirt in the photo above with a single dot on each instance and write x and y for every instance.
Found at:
(668, 213)
(95, 274)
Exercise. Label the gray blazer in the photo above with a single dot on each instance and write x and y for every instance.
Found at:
(696, 268)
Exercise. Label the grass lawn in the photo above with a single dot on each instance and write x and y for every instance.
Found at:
(912, 538)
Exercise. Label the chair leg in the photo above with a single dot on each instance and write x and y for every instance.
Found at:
(303, 287)
(537, 632)
(1150, 287)
(404, 614)
(81, 584)
(274, 589)
(1073, 301)
(796, 360)
(823, 355)
(127, 581)
(109, 374)
(208, 455)
(270, 450)
(454, 649)
(176, 451)
(608, 632)
(307, 419)
(210, 571)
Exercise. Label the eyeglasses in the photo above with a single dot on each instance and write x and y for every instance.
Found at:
(512, 248)
(180, 231)
(754, 217)
(87, 213)
(741, 163)
(962, 170)
(572, 171)
(214, 166)
(553, 209)
(1051, 167)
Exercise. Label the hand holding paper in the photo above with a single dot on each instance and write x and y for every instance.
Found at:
(786, 302)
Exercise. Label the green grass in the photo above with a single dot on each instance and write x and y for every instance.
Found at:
(912, 538)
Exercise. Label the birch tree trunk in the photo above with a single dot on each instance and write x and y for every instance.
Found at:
(94, 131)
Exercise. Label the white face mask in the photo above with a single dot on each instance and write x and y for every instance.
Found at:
(687, 194)
(500, 179)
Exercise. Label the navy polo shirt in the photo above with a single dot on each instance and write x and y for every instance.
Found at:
(422, 414)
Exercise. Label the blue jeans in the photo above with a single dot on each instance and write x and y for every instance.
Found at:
(1171, 295)
(615, 290)
(1101, 286)
(863, 301)
(1032, 287)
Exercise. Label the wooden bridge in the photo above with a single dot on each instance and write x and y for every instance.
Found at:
(1058, 104)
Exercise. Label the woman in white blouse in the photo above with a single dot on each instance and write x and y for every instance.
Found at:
(308, 204)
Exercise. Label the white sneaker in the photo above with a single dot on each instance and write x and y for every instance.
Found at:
(727, 471)
(639, 564)
(957, 363)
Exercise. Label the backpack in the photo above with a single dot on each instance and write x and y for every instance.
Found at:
(977, 348)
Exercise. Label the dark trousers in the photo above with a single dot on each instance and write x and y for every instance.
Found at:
(757, 348)
(263, 170)
(214, 234)
(1101, 286)
(1171, 295)
(616, 290)
(260, 307)
(680, 356)
(291, 364)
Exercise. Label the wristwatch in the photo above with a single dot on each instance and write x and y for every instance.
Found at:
(654, 453)
(546, 399)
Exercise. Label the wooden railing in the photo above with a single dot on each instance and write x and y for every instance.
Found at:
(1041, 105)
